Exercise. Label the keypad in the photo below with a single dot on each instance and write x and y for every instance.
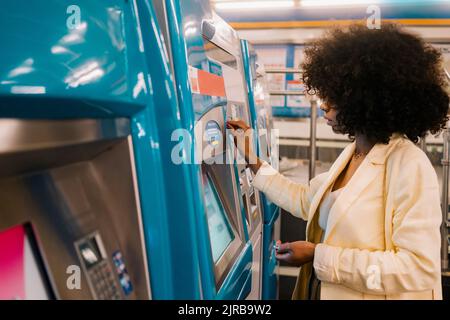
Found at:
(103, 282)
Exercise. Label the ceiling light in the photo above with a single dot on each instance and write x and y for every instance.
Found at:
(242, 5)
(323, 3)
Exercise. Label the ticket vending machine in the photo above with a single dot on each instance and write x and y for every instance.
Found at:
(208, 71)
(84, 209)
(223, 50)
(267, 149)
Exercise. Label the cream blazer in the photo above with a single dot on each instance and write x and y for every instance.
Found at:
(382, 239)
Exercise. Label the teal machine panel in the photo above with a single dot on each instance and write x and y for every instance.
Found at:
(206, 61)
(87, 107)
(267, 150)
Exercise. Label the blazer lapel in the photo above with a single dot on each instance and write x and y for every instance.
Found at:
(372, 166)
(335, 170)
(363, 176)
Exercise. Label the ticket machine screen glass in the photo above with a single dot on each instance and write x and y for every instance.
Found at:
(220, 231)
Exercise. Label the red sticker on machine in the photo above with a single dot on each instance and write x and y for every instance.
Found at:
(206, 83)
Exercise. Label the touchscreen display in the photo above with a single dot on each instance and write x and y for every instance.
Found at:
(220, 231)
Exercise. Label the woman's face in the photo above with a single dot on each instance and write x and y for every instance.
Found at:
(330, 116)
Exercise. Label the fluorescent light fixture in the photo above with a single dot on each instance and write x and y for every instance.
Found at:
(87, 73)
(59, 49)
(24, 68)
(28, 89)
(331, 3)
(254, 5)
(190, 31)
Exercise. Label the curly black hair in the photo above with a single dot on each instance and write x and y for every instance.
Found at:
(381, 81)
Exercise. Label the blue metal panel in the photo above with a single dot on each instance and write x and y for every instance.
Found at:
(184, 26)
(181, 259)
(269, 263)
(270, 210)
(250, 74)
(56, 66)
(179, 52)
(237, 285)
(270, 279)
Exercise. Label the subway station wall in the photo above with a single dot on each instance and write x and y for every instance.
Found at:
(280, 36)
(291, 56)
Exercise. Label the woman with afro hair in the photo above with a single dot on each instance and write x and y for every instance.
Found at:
(374, 218)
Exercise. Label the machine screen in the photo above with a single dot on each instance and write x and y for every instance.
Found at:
(220, 231)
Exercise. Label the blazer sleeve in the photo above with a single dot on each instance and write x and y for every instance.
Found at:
(414, 262)
(289, 195)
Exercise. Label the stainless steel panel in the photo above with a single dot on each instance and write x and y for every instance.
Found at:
(31, 135)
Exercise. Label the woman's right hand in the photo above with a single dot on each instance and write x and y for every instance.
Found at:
(242, 134)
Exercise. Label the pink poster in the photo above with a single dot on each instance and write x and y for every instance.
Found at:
(12, 277)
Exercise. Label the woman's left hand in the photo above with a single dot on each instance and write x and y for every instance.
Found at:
(297, 253)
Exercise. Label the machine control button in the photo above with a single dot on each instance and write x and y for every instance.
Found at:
(121, 270)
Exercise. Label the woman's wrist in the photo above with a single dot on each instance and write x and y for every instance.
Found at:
(255, 165)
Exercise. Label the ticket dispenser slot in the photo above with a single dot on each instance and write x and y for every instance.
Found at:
(220, 193)
(74, 183)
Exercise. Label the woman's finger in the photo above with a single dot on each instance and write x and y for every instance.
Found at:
(237, 124)
(284, 247)
(284, 257)
(232, 124)
(277, 245)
